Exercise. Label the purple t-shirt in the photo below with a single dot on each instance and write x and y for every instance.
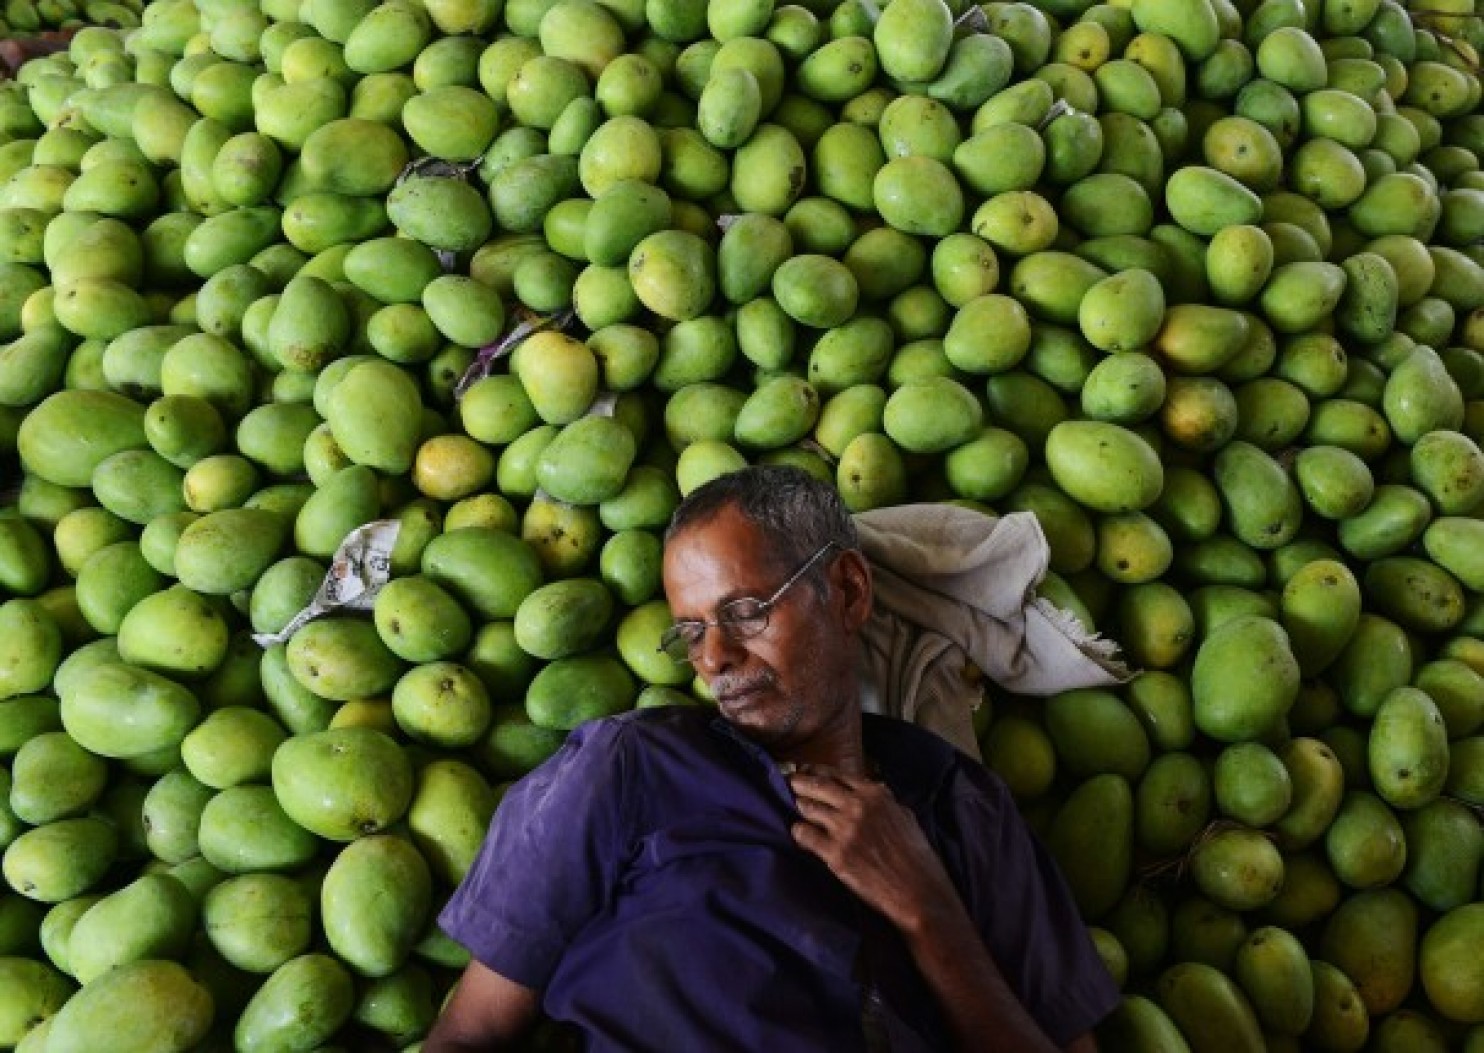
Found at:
(645, 880)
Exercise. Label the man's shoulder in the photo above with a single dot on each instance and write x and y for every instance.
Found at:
(650, 726)
(928, 766)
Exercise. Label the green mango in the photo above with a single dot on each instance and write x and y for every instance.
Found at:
(729, 108)
(1252, 785)
(244, 829)
(394, 270)
(375, 415)
(172, 815)
(913, 39)
(932, 415)
(1452, 542)
(1139, 1024)
(978, 66)
(1421, 397)
(442, 704)
(123, 189)
(673, 274)
(838, 70)
(1396, 517)
(1104, 466)
(919, 195)
(282, 591)
(25, 565)
(258, 922)
(152, 917)
(1367, 310)
(572, 690)
(1415, 593)
(1264, 507)
(442, 213)
(1334, 482)
(77, 536)
(587, 462)
(387, 38)
(273, 435)
(767, 171)
(1448, 467)
(1244, 680)
(1274, 972)
(343, 783)
(1210, 1010)
(1289, 56)
(34, 991)
(780, 412)
(310, 325)
(647, 500)
(112, 581)
(1091, 838)
(1444, 849)
(297, 708)
(1299, 295)
(318, 221)
(144, 1005)
(452, 122)
(623, 215)
(342, 659)
(524, 192)
(559, 375)
(563, 618)
(52, 778)
(174, 632)
(870, 473)
(1172, 803)
(857, 352)
(30, 647)
(65, 438)
(60, 860)
(702, 411)
(1238, 869)
(183, 429)
(233, 745)
(301, 1005)
(347, 500)
(374, 903)
(419, 621)
(1364, 844)
(246, 169)
(1321, 610)
(1052, 285)
(1122, 312)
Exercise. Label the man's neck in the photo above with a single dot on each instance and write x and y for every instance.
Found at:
(838, 748)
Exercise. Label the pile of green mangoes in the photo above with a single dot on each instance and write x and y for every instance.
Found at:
(1199, 283)
(20, 19)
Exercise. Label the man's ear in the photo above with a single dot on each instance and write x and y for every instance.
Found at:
(851, 576)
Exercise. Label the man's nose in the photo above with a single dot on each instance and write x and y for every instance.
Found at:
(716, 652)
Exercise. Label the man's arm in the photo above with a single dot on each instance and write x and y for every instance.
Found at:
(876, 848)
(485, 1013)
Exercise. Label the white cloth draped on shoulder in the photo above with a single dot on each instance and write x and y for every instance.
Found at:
(956, 603)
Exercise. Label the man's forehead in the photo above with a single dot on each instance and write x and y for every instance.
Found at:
(724, 550)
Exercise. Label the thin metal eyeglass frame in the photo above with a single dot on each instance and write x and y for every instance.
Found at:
(731, 627)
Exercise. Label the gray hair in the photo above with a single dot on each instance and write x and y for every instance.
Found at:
(797, 513)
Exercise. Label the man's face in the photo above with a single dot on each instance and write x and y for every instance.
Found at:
(784, 685)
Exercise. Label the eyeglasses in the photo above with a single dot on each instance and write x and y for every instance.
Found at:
(740, 619)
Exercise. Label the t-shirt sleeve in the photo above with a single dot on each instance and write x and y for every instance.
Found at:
(1025, 912)
(549, 862)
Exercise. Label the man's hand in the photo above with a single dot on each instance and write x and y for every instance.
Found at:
(873, 845)
(877, 849)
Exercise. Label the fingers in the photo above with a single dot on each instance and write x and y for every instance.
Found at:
(833, 788)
